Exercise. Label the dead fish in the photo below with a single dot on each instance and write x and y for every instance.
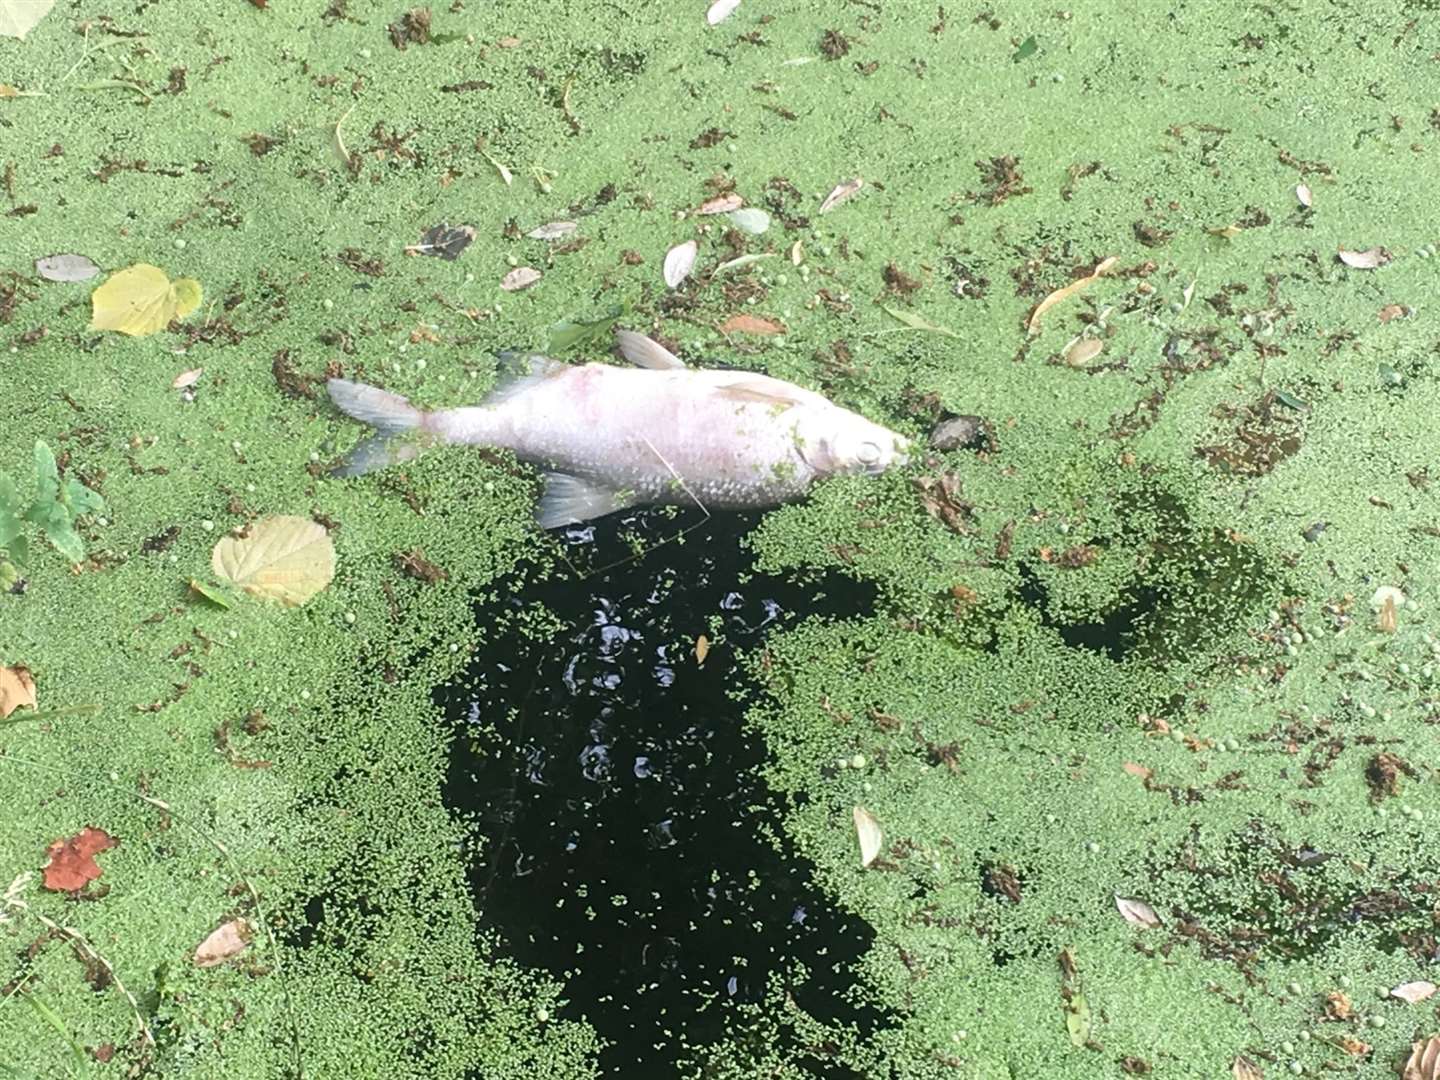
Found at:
(611, 437)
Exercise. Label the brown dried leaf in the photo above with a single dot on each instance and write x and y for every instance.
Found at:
(72, 860)
(1137, 770)
(1338, 1006)
(842, 192)
(1368, 259)
(721, 204)
(1138, 913)
(229, 939)
(751, 324)
(522, 277)
(1242, 1068)
(1069, 290)
(1413, 992)
(17, 689)
(1393, 311)
(867, 830)
(1424, 1060)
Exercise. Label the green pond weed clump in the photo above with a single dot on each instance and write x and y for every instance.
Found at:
(53, 510)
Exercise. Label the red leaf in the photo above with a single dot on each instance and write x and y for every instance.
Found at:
(72, 860)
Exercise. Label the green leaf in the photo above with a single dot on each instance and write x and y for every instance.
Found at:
(47, 475)
(81, 499)
(568, 333)
(209, 592)
(915, 322)
(1077, 1019)
(19, 549)
(10, 521)
(1028, 48)
(62, 534)
(1287, 398)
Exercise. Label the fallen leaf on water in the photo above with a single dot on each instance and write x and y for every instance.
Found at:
(742, 260)
(797, 253)
(17, 689)
(1386, 621)
(1242, 1068)
(679, 261)
(1138, 913)
(751, 324)
(750, 219)
(1069, 290)
(1353, 1046)
(841, 192)
(915, 322)
(351, 162)
(18, 17)
(141, 300)
(1338, 1005)
(1424, 1060)
(508, 42)
(1393, 311)
(1302, 194)
(72, 860)
(552, 230)
(210, 593)
(66, 268)
(505, 174)
(1077, 1019)
(721, 204)
(522, 277)
(227, 940)
(1414, 992)
(1368, 259)
(721, 10)
(867, 830)
(1137, 770)
(285, 558)
(702, 650)
(1081, 351)
(187, 378)
(1228, 232)
(443, 241)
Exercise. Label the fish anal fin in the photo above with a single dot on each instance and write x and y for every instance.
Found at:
(569, 500)
(645, 352)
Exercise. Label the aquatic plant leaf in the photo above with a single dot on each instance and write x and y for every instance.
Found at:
(567, 333)
(47, 483)
(721, 10)
(679, 261)
(1028, 48)
(867, 831)
(17, 689)
(1414, 992)
(10, 521)
(227, 940)
(1137, 913)
(842, 192)
(18, 17)
(915, 322)
(72, 859)
(284, 558)
(66, 268)
(1369, 259)
(1069, 290)
(81, 499)
(1424, 1060)
(522, 277)
(141, 300)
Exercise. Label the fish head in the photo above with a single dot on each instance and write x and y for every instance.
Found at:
(838, 442)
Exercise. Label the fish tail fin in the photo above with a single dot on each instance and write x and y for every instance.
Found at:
(392, 417)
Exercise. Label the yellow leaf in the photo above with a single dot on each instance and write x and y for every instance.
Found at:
(867, 831)
(702, 650)
(17, 688)
(1069, 290)
(17, 18)
(142, 300)
(288, 559)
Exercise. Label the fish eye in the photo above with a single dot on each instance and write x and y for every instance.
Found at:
(868, 453)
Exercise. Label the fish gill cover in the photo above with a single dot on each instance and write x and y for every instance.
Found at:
(1164, 634)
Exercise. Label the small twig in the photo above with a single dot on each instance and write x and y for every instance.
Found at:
(678, 478)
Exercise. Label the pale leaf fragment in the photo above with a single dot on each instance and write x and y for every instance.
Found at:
(229, 939)
(915, 322)
(66, 268)
(742, 260)
(505, 174)
(1369, 259)
(1138, 913)
(552, 230)
(1228, 232)
(1077, 1019)
(1393, 311)
(702, 650)
(18, 17)
(1414, 992)
(867, 830)
(679, 261)
(283, 558)
(522, 277)
(721, 204)
(1424, 1060)
(751, 324)
(721, 10)
(187, 378)
(1069, 290)
(1303, 196)
(1135, 769)
(337, 145)
(1081, 351)
(750, 220)
(841, 192)
(797, 253)
(17, 689)
(1242, 1068)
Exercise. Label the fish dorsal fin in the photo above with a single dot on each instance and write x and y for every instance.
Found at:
(518, 372)
(760, 392)
(646, 353)
(569, 500)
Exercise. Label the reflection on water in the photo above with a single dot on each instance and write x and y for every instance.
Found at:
(622, 842)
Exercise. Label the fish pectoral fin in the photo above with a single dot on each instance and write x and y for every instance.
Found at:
(646, 353)
(569, 500)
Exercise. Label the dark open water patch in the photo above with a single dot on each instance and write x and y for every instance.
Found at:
(615, 794)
